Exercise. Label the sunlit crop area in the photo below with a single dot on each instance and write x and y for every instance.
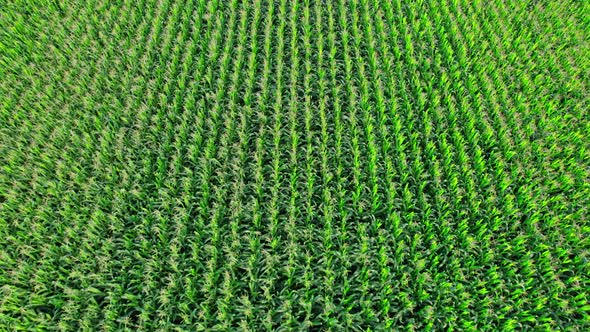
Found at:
(249, 165)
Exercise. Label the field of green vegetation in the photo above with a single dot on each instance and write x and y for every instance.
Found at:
(249, 165)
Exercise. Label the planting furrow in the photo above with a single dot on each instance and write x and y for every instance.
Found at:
(255, 207)
(210, 210)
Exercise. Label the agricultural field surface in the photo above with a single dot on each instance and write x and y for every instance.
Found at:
(294, 165)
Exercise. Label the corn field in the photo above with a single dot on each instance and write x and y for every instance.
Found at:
(250, 165)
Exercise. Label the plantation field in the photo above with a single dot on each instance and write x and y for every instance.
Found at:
(249, 165)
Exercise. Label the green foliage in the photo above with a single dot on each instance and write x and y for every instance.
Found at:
(294, 165)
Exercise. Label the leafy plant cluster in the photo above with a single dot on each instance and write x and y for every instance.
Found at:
(294, 165)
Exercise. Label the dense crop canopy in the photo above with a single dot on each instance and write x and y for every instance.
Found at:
(294, 165)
